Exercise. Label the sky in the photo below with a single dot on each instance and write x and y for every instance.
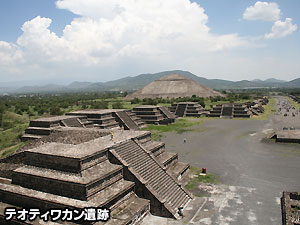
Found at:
(100, 40)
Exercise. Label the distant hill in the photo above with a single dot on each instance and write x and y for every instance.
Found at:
(173, 86)
(293, 83)
(140, 81)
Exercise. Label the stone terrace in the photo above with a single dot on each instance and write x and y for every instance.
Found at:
(152, 114)
(45, 126)
(230, 110)
(102, 118)
(78, 172)
(111, 118)
(76, 176)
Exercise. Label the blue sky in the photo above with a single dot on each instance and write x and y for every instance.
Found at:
(97, 40)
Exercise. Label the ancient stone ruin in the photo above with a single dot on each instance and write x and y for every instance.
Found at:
(173, 86)
(288, 135)
(45, 126)
(230, 110)
(182, 109)
(245, 110)
(128, 173)
(290, 208)
(108, 118)
(101, 119)
(152, 114)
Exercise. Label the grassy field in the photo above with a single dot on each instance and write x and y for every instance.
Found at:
(180, 126)
(14, 126)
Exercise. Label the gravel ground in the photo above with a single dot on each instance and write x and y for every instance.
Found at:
(254, 171)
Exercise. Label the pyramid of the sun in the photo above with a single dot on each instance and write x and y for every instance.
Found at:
(173, 86)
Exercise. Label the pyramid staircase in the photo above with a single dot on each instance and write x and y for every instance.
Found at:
(166, 195)
(126, 121)
(169, 160)
(180, 110)
(73, 176)
(227, 111)
(138, 121)
(191, 109)
(171, 117)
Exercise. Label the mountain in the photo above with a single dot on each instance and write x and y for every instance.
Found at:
(50, 88)
(273, 80)
(293, 83)
(79, 85)
(140, 81)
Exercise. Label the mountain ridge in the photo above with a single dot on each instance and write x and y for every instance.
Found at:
(132, 83)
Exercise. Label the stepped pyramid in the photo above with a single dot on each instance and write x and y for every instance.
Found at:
(230, 110)
(173, 86)
(182, 109)
(152, 114)
(130, 174)
(99, 118)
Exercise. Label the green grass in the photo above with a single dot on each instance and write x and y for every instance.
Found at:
(14, 126)
(180, 126)
(8, 151)
(198, 179)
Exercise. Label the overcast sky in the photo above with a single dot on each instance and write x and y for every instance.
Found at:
(101, 40)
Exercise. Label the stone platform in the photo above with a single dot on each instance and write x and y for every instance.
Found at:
(152, 114)
(128, 174)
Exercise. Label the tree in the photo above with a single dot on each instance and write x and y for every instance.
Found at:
(117, 105)
(99, 105)
(56, 111)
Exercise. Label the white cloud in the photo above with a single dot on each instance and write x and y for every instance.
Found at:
(108, 30)
(281, 29)
(262, 11)
(10, 56)
(121, 32)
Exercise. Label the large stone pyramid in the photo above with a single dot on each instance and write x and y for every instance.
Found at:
(173, 86)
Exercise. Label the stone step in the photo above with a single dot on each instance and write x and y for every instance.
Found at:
(39, 130)
(80, 187)
(178, 170)
(132, 211)
(14, 221)
(167, 113)
(102, 120)
(55, 157)
(156, 147)
(72, 122)
(151, 172)
(167, 158)
(109, 196)
(27, 137)
(127, 121)
(29, 198)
